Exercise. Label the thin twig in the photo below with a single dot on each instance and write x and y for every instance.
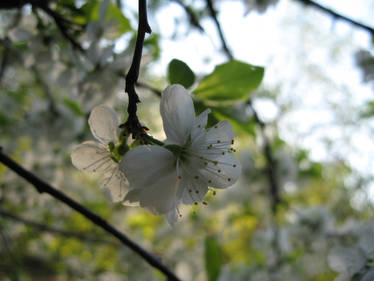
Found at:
(213, 15)
(191, 15)
(274, 189)
(132, 124)
(61, 23)
(337, 15)
(270, 167)
(45, 228)
(44, 187)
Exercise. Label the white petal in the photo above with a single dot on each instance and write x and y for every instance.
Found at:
(177, 113)
(114, 185)
(92, 157)
(194, 187)
(223, 172)
(104, 124)
(151, 172)
(198, 128)
(221, 132)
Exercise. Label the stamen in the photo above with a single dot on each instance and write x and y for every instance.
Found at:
(205, 203)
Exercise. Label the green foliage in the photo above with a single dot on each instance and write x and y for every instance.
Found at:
(213, 258)
(180, 73)
(74, 107)
(230, 82)
(368, 111)
(115, 23)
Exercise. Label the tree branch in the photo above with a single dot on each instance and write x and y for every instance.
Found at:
(42, 187)
(42, 227)
(337, 15)
(274, 190)
(61, 23)
(132, 124)
(213, 15)
(191, 15)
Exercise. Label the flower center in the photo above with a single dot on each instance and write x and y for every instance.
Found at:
(117, 151)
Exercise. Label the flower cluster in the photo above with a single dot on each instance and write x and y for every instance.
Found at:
(192, 160)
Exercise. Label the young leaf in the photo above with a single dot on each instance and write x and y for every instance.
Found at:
(230, 81)
(180, 73)
(213, 259)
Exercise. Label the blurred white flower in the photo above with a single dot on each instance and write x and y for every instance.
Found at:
(102, 156)
(192, 159)
(355, 262)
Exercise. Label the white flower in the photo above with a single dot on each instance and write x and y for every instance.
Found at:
(101, 156)
(192, 159)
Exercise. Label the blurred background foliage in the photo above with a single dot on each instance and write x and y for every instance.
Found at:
(294, 122)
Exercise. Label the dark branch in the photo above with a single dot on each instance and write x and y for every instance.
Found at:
(337, 15)
(44, 187)
(132, 124)
(62, 24)
(270, 162)
(213, 15)
(45, 228)
(191, 15)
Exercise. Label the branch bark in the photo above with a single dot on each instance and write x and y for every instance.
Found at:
(213, 15)
(44, 187)
(45, 228)
(132, 124)
(337, 15)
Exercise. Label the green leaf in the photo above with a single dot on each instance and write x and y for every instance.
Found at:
(180, 73)
(116, 24)
(230, 81)
(368, 110)
(236, 116)
(74, 107)
(213, 258)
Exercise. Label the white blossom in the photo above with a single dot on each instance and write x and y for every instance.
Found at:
(100, 157)
(192, 160)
